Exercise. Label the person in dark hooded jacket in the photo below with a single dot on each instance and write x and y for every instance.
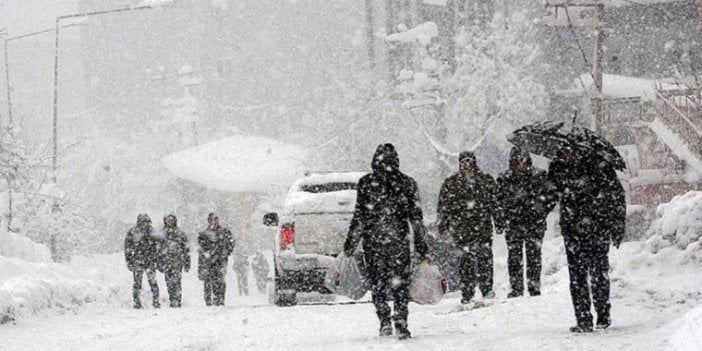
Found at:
(524, 200)
(387, 206)
(175, 258)
(216, 244)
(142, 251)
(593, 214)
(466, 210)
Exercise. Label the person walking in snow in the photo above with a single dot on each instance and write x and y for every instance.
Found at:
(387, 205)
(260, 268)
(524, 201)
(466, 209)
(175, 258)
(593, 214)
(142, 249)
(240, 265)
(215, 245)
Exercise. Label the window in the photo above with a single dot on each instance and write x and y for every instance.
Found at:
(327, 187)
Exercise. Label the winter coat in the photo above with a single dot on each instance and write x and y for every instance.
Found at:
(387, 203)
(176, 252)
(215, 248)
(591, 197)
(467, 207)
(524, 200)
(142, 249)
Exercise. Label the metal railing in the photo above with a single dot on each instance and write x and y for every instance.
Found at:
(680, 110)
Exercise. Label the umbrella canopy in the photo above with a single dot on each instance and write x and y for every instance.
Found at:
(548, 138)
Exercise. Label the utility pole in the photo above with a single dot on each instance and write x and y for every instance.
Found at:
(369, 32)
(597, 68)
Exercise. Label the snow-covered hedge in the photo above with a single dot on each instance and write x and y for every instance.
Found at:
(14, 245)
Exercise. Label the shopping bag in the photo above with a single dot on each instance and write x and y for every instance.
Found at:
(428, 284)
(347, 277)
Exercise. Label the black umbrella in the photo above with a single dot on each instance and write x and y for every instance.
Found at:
(548, 138)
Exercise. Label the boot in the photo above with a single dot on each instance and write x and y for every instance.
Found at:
(603, 321)
(582, 328)
(401, 330)
(385, 328)
(513, 294)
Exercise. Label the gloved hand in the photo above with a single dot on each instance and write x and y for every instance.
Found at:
(616, 243)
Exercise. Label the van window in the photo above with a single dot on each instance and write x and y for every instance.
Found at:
(327, 187)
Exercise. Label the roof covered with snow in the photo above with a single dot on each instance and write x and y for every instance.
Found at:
(616, 86)
(240, 163)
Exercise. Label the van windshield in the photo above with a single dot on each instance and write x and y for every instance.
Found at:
(327, 187)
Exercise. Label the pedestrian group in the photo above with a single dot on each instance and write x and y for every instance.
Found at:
(149, 251)
(471, 207)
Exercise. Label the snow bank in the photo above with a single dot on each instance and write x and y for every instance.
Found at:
(27, 288)
(13, 245)
(678, 224)
(688, 337)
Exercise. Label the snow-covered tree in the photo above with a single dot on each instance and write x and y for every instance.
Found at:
(494, 89)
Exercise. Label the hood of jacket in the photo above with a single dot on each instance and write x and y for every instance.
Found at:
(385, 160)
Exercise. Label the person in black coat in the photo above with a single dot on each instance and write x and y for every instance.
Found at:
(387, 206)
(466, 210)
(216, 244)
(176, 258)
(142, 251)
(524, 201)
(593, 214)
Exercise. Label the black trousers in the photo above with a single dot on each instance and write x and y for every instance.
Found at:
(398, 287)
(476, 268)
(215, 286)
(173, 283)
(518, 241)
(587, 254)
(138, 275)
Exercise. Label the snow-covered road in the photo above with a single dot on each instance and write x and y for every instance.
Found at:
(518, 324)
(651, 296)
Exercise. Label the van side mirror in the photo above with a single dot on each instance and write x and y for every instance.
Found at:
(270, 219)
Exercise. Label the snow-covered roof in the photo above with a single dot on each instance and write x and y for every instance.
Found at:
(617, 86)
(240, 163)
(614, 3)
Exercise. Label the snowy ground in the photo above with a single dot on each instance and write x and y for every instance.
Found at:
(656, 299)
(650, 302)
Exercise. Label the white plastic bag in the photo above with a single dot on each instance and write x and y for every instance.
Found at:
(428, 285)
(346, 277)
